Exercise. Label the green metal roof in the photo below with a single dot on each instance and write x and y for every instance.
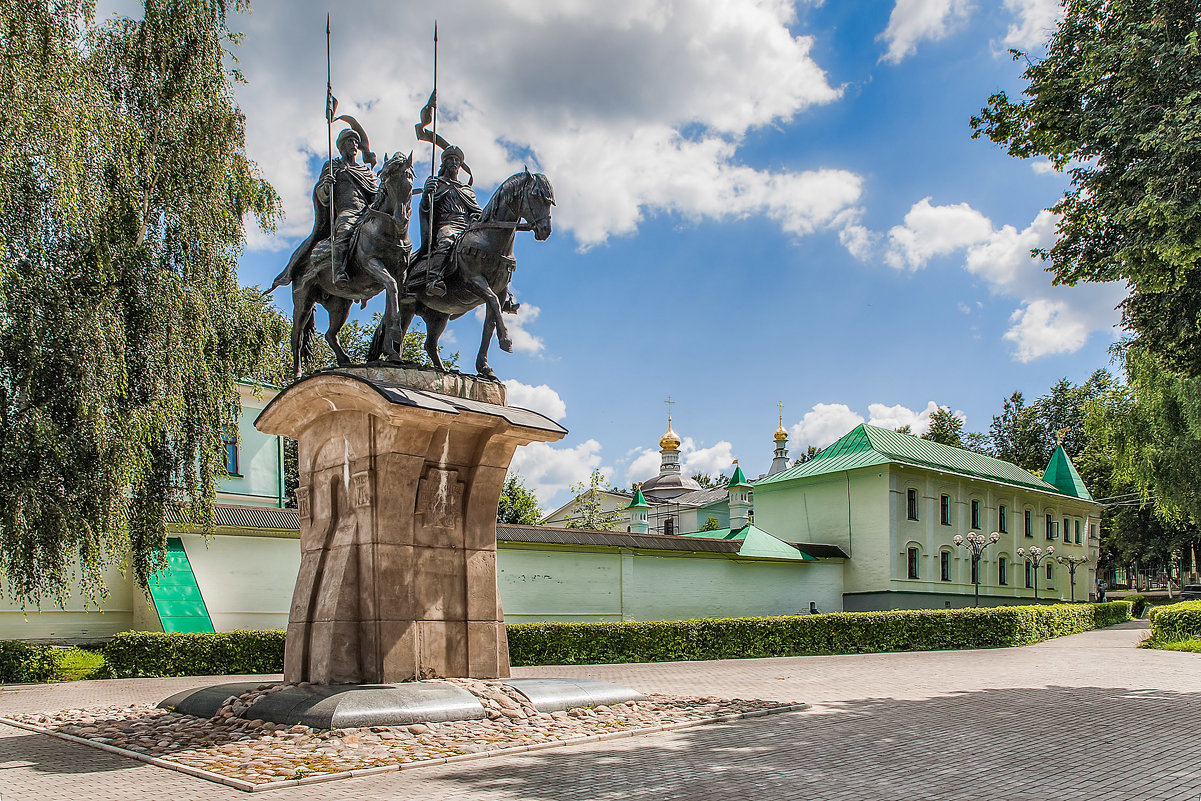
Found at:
(638, 501)
(869, 446)
(1062, 473)
(755, 542)
(738, 479)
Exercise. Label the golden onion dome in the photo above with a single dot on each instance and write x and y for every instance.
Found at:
(781, 435)
(670, 441)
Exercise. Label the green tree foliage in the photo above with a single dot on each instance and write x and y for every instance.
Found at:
(1026, 434)
(806, 455)
(518, 504)
(124, 188)
(710, 482)
(589, 511)
(1116, 102)
(711, 524)
(945, 427)
(1144, 453)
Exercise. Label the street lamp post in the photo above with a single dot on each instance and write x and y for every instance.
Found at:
(975, 544)
(1036, 556)
(1072, 562)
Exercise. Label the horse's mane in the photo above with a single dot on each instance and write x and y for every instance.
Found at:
(508, 190)
(503, 195)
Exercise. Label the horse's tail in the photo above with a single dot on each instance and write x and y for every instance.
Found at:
(306, 336)
(377, 343)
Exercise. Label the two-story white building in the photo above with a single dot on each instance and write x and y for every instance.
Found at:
(894, 503)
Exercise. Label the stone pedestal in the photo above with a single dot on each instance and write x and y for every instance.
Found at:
(397, 503)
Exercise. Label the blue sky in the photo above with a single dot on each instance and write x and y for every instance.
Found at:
(758, 202)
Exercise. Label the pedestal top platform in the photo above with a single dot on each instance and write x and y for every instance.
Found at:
(431, 390)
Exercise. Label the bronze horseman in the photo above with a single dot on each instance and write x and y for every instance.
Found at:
(352, 187)
(454, 208)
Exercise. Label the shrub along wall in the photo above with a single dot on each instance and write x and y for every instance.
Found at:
(839, 633)
(26, 662)
(157, 654)
(1176, 622)
(148, 653)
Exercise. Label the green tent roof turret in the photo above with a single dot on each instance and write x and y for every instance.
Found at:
(638, 502)
(1061, 474)
(738, 479)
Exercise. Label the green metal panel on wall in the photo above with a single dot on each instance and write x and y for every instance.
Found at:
(176, 595)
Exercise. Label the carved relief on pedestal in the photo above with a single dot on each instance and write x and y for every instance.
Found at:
(302, 503)
(360, 489)
(440, 498)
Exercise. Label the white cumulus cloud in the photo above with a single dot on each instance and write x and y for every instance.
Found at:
(548, 470)
(1035, 21)
(934, 231)
(823, 424)
(912, 21)
(828, 422)
(1050, 319)
(541, 399)
(718, 458)
(631, 107)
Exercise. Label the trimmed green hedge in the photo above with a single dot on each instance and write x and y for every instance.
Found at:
(838, 633)
(148, 653)
(27, 662)
(136, 653)
(1138, 604)
(1176, 622)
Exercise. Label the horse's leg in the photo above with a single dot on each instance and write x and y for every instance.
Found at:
(302, 320)
(478, 286)
(378, 271)
(481, 360)
(435, 324)
(339, 310)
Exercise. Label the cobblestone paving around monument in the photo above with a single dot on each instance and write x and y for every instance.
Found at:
(257, 754)
(1083, 717)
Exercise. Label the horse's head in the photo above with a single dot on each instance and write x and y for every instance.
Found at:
(537, 196)
(397, 173)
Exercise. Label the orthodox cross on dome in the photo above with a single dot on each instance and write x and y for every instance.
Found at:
(780, 405)
(669, 402)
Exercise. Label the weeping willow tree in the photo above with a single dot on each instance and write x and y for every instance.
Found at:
(124, 191)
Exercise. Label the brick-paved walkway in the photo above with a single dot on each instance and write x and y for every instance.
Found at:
(1083, 717)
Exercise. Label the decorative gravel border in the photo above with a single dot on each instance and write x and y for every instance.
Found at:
(317, 778)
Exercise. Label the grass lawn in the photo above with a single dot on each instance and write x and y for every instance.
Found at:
(1191, 644)
(76, 664)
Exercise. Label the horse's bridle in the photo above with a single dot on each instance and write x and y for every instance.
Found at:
(516, 226)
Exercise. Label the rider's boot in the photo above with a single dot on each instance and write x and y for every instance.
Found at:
(436, 288)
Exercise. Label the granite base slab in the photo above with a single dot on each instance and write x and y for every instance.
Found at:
(344, 706)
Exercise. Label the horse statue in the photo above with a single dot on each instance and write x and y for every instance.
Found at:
(480, 268)
(379, 252)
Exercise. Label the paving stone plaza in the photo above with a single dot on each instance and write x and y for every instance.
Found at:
(1082, 717)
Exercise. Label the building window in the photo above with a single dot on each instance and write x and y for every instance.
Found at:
(1078, 540)
(1002, 520)
(231, 456)
(1050, 527)
(669, 526)
(944, 505)
(1050, 571)
(911, 503)
(1002, 574)
(911, 563)
(975, 514)
(1067, 530)
(945, 565)
(1029, 530)
(1092, 531)
(1029, 576)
